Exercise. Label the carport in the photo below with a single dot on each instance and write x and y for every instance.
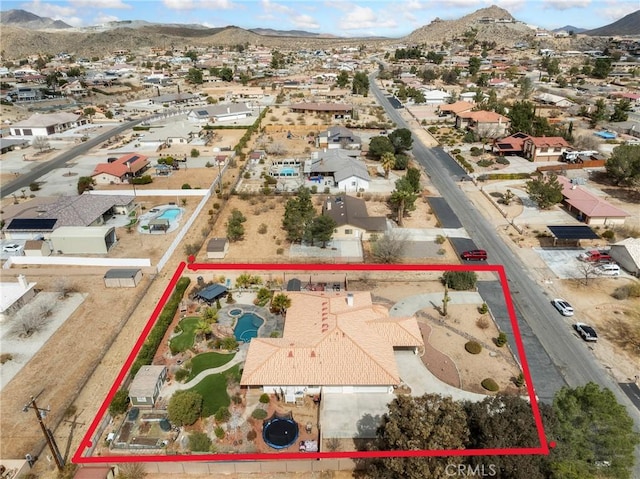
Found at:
(571, 235)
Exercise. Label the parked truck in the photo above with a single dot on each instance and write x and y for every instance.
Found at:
(595, 256)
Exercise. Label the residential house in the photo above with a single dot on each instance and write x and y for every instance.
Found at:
(218, 113)
(74, 88)
(352, 219)
(339, 169)
(47, 124)
(589, 207)
(174, 133)
(338, 137)
(436, 97)
(485, 124)
(545, 148)
(333, 342)
(174, 99)
(146, 385)
(338, 111)
(452, 109)
(555, 100)
(121, 170)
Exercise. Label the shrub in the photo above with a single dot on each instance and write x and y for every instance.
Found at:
(219, 432)
(608, 234)
(484, 163)
(519, 380)
(119, 403)
(262, 229)
(501, 340)
(264, 398)
(259, 414)
(490, 385)
(252, 435)
(186, 186)
(229, 343)
(473, 347)
(181, 374)
(475, 151)
(222, 414)
(142, 180)
(484, 309)
(34, 186)
(483, 322)
(440, 239)
(199, 442)
(627, 291)
(195, 153)
(502, 161)
(460, 280)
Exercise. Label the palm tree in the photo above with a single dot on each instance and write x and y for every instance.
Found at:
(388, 161)
(202, 329)
(280, 303)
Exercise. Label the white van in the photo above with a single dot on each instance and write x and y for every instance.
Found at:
(608, 269)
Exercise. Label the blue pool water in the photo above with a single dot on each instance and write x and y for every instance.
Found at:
(287, 172)
(247, 327)
(170, 214)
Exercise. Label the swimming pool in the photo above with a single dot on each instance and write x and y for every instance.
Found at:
(287, 172)
(170, 214)
(247, 327)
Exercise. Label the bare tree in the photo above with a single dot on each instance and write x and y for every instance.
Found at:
(276, 148)
(131, 470)
(586, 142)
(32, 318)
(587, 271)
(63, 287)
(41, 143)
(390, 248)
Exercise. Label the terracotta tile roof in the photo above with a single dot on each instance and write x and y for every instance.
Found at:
(483, 116)
(327, 341)
(588, 203)
(457, 107)
(120, 167)
(548, 141)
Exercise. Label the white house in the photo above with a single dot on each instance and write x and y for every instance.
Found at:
(436, 97)
(46, 124)
(216, 113)
(338, 168)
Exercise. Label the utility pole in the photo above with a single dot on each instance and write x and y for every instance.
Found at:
(45, 430)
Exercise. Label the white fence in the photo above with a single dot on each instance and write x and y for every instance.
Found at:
(139, 192)
(77, 261)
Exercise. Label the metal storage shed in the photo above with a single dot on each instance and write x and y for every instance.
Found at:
(122, 278)
(217, 248)
(627, 254)
(83, 240)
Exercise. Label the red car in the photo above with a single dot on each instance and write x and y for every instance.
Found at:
(474, 255)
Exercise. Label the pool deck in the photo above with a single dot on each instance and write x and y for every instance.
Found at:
(155, 212)
(272, 322)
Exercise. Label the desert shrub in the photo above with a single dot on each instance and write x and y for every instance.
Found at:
(608, 234)
(280, 251)
(473, 347)
(262, 229)
(142, 180)
(483, 322)
(264, 398)
(484, 163)
(259, 414)
(484, 309)
(442, 251)
(252, 435)
(475, 151)
(199, 442)
(440, 239)
(5, 357)
(627, 291)
(219, 432)
(519, 381)
(502, 161)
(186, 186)
(490, 385)
(456, 151)
(223, 414)
(181, 375)
(501, 340)
(34, 186)
(460, 280)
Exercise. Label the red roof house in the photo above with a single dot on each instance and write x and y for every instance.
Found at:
(120, 170)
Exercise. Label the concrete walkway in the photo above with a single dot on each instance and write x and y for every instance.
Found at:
(411, 304)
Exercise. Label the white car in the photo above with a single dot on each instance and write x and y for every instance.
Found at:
(586, 332)
(611, 269)
(11, 248)
(561, 305)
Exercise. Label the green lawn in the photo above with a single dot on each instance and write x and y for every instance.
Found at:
(185, 340)
(207, 361)
(213, 390)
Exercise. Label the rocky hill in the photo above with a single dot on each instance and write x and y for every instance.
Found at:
(29, 20)
(628, 25)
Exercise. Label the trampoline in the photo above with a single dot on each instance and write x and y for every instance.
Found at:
(280, 431)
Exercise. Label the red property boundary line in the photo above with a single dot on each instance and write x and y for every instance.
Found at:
(542, 448)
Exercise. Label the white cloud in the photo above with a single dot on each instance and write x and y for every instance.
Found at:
(269, 7)
(104, 18)
(616, 10)
(306, 22)
(364, 18)
(194, 4)
(115, 4)
(565, 4)
(43, 9)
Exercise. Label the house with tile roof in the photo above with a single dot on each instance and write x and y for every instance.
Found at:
(452, 109)
(589, 207)
(486, 124)
(221, 112)
(121, 170)
(338, 137)
(333, 342)
(352, 219)
(47, 124)
(545, 148)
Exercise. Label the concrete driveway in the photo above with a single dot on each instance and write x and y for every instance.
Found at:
(343, 249)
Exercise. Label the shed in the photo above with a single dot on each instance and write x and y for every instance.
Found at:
(627, 254)
(294, 284)
(211, 293)
(122, 278)
(145, 387)
(36, 248)
(217, 248)
(83, 240)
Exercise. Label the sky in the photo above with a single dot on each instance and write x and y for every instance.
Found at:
(342, 18)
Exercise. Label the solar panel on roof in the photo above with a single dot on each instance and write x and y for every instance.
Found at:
(202, 112)
(573, 232)
(38, 224)
(133, 158)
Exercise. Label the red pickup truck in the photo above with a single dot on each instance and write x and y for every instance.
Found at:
(595, 256)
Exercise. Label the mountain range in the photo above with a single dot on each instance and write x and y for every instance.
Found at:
(25, 33)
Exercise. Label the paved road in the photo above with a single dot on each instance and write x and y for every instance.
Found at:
(554, 343)
(59, 161)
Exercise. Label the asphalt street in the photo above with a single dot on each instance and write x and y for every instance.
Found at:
(546, 342)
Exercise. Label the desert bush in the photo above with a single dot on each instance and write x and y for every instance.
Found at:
(219, 432)
(222, 414)
(608, 234)
(264, 398)
(473, 347)
(475, 151)
(519, 381)
(627, 291)
(119, 403)
(490, 385)
(483, 322)
(501, 340)
(460, 280)
(440, 239)
(483, 309)
(502, 161)
(259, 414)
(484, 163)
(199, 442)
(181, 374)
(252, 435)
